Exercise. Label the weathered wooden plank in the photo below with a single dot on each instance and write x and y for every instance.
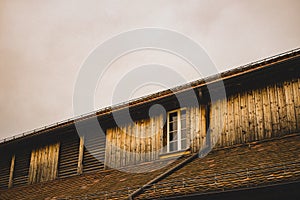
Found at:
(274, 109)
(296, 94)
(267, 113)
(188, 126)
(259, 115)
(289, 97)
(223, 113)
(225, 122)
(147, 140)
(44, 163)
(199, 133)
(11, 171)
(159, 133)
(153, 137)
(203, 125)
(282, 110)
(137, 143)
(121, 145)
(114, 148)
(126, 146)
(193, 129)
(231, 131)
(30, 173)
(107, 148)
(237, 125)
(142, 141)
(132, 138)
(216, 133)
(251, 116)
(56, 159)
(244, 117)
(80, 156)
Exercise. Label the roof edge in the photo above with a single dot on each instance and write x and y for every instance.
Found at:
(253, 66)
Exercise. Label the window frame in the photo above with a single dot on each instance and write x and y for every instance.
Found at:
(179, 129)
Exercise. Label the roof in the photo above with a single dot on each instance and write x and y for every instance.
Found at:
(254, 66)
(261, 163)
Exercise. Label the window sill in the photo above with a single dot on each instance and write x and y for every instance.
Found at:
(174, 154)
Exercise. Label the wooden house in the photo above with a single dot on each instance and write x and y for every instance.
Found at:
(245, 143)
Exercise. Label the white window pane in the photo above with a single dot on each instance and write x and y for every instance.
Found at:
(183, 144)
(173, 136)
(183, 123)
(183, 134)
(173, 126)
(173, 146)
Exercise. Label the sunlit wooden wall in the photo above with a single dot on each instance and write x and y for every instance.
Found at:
(243, 117)
(257, 114)
(134, 143)
(43, 163)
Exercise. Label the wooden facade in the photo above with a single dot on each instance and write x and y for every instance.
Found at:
(43, 163)
(249, 116)
(260, 104)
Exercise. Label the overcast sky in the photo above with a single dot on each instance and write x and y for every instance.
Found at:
(44, 43)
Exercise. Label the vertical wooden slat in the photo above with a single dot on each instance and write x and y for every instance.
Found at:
(11, 171)
(197, 127)
(274, 110)
(113, 148)
(80, 156)
(126, 150)
(158, 127)
(56, 158)
(203, 125)
(153, 138)
(282, 110)
(131, 148)
(108, 148)
(193, 129)
(267, 113)
(236, 116)
(244, 117)
(259, 115)
(223, 122)
(122, 132)
(296, 94)
(142, 141)
(148, 140)
(188, 127)
(30, 177)
(289, 97)
(231, 120)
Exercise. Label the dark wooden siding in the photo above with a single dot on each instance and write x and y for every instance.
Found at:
(22, 162)
(94, 153)
(68, 155)
(5, 161)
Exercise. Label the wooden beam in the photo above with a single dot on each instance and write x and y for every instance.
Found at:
(80, 156)
(11, 172)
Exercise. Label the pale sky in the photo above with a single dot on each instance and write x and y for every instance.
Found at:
(44, 43)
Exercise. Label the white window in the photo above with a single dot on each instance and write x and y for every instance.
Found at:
(176, 130)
